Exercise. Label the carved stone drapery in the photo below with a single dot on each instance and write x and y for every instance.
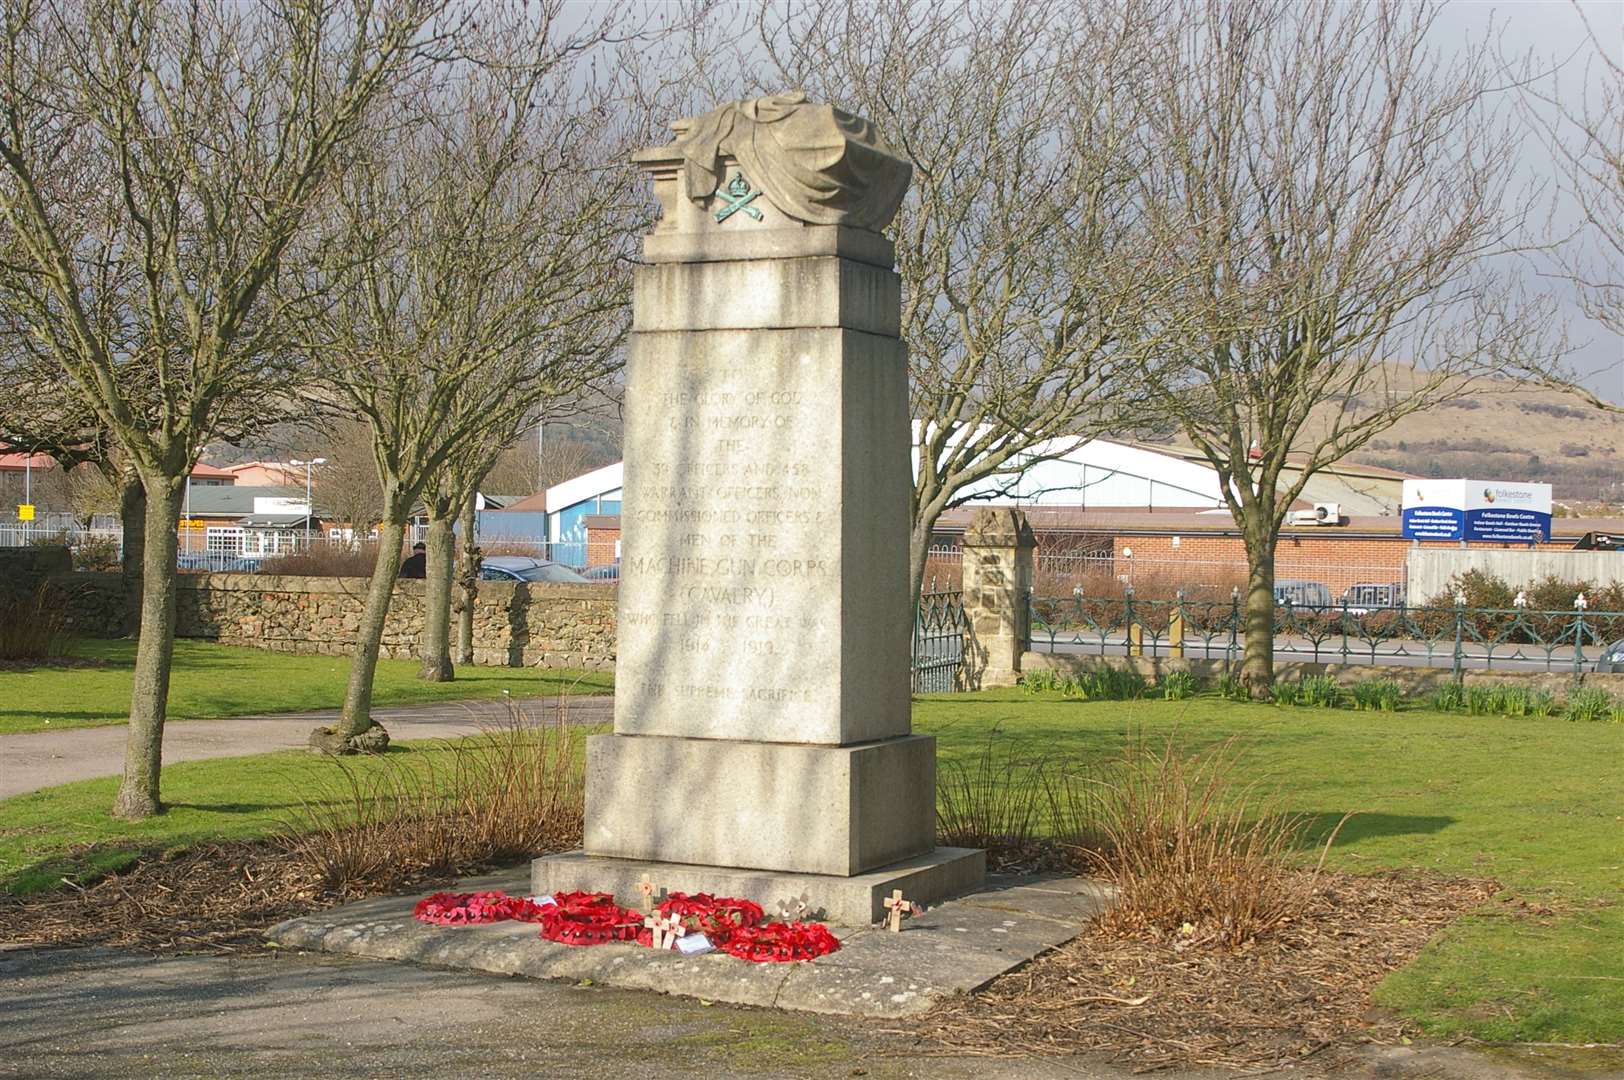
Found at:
(814, 162)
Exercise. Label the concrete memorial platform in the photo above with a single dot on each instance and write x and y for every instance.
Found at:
(950, 949)
(762, 723)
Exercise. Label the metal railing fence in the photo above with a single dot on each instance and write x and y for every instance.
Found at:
(1457, 636)
(938, 640)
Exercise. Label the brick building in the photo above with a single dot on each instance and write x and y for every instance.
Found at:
(1208, 548)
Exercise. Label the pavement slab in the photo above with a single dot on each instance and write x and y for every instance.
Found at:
(952, 948)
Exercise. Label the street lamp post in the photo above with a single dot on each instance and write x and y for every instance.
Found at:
(309, 509)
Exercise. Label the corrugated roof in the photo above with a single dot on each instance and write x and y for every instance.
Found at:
(273, 521)
(24, 462)
(37, 462)
(229, 498)
(536, 503)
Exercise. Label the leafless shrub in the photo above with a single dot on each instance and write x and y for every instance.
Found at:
(33, 625)
(997, 800)
(325, 560)
(1192, 847)
(515, 790)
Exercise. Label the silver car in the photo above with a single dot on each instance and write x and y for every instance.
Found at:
(524, 568)
(1612, 657)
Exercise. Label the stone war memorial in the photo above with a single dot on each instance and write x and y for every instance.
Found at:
(762, 743)
(762, 779)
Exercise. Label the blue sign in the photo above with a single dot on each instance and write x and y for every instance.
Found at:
(1434, 523)
(1510, 525)
(1485, 511)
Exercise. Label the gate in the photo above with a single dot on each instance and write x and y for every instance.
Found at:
(938, 642)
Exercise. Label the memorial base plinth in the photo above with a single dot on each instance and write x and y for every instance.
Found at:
(798, 808)
(928, 879)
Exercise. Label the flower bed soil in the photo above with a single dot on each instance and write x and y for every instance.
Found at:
(212, 898)
(1179, 1000)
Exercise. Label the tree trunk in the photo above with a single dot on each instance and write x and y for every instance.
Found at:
(918, 554)
(467, 584)
(438, 559)
(1257, 663)
(143, 747)
(356, 731)
(132, 515)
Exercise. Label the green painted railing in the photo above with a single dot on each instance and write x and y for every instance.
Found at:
(1457, 636)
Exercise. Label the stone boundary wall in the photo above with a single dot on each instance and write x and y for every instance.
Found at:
(1431, 568)
(1413, 680)
(23, 568)
(515, 624)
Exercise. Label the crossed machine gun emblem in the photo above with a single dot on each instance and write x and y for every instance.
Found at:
(738, 195)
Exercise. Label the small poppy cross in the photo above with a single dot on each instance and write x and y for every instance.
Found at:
(895, 906)
(664, 930)
(646, 887)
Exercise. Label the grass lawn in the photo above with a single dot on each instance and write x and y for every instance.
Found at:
(1533, 803)
(218, 680)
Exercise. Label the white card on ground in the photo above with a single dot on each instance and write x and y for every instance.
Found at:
(694, 944)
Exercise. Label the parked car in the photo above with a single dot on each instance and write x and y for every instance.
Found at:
(1302, 593)
(215, 563)
(1612, 657)
(523, 568)
(1367, 596)
(610, 572)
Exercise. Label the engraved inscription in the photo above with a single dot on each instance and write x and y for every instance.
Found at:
(730, 564)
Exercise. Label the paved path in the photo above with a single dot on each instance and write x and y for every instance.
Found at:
(100, 1013)
(40, 759)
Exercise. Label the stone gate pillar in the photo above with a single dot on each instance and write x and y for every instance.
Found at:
(998, 561)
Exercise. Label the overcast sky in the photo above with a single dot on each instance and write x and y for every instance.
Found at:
(1553, 29)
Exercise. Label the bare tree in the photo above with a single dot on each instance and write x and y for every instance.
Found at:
(1028, 295)
(475, 267)
(42, 411)
(1585, 135)
(345, 488)
(1336, 196)
(156, 159)
(581, 352)
(523, 470)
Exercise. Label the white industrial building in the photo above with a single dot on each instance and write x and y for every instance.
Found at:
(1117, 475)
